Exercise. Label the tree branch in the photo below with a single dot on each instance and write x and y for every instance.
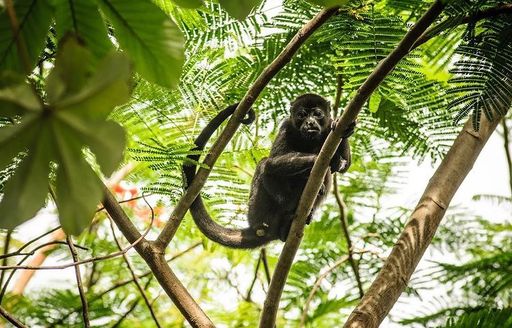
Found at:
(83, 299)
(154, 257)
(419, 231)
(257, 87)
(135, 279)
(321, 164)
(316, 286)
(344, 227)
(474, 17)
(11, 319)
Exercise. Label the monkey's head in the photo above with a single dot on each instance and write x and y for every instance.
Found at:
(310, 115)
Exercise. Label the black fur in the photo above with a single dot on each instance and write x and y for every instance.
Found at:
(279, 179)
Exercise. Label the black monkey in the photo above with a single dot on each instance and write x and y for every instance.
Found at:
(279, 179)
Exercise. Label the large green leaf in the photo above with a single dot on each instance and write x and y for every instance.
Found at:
(78, 188)
(26, 190)
(81, 96)
(34, 18)
(83, 19)
(239, 9)
(149, 36)
(16, 97)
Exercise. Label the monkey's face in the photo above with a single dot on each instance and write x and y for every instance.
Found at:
(311, 119)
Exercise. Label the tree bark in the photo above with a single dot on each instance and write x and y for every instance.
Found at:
(421, 227)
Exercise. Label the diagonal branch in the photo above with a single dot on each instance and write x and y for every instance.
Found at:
(268, 73)
(320, 168)
(154, 257)
(501, 9)
(421, 227)
(9, 317)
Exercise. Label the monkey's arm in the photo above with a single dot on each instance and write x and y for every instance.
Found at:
(289, 164)
(342, 158)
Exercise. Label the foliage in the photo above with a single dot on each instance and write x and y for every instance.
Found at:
(63, 102)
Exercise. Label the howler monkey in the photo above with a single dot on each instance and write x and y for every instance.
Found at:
(279, 179)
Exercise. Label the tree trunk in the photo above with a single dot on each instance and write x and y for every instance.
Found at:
(419, 231)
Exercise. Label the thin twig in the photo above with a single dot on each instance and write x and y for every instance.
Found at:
(341, 204)
(83, 299)
(127, 313)
(11, 319)
(344, 226)
(265, 264)
(19, 251)
(6, 284)
(256, 270)
(134, 278)
(124, 283)
(92, 259)
(320, 167)
(316, 286)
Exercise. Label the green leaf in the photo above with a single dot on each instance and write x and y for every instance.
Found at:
(15, 138)
(329, 3)
(81, 96)
(150, 37)
(73, 67)
(192, 4)
(83, 19)
(34, 18)
(16, 96)
(105, 139)
(373, 104)
(239, 9)
(26, 191)
(78, 188)
(90, 91)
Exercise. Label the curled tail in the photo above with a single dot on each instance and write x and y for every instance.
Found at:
(235, 238)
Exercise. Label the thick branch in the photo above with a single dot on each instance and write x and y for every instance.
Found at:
(419, 231)
(270, 71)
(320, 168)
(154, 257)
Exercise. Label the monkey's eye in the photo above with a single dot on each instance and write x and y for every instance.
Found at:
(301, 115)
(318, 114)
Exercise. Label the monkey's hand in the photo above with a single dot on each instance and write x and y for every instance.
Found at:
(348, 131)
(338, 165)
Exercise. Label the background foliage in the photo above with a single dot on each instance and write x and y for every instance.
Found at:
(182, 62)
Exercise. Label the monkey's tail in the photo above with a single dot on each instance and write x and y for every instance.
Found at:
(235, 238)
